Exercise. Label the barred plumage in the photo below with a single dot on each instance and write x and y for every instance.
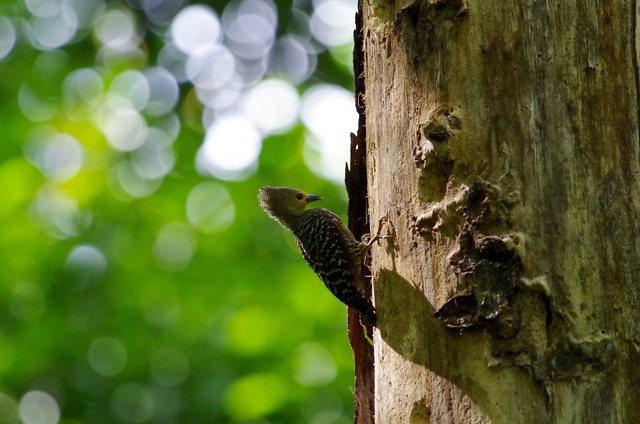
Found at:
(326, 244)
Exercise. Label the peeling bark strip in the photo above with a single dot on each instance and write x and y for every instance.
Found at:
(356, 183)
(503, 143)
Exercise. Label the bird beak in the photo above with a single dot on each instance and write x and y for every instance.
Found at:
(313, 198)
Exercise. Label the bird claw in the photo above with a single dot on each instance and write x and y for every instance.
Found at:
(370, 240)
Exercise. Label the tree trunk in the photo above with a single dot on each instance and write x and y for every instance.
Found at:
(502, 144)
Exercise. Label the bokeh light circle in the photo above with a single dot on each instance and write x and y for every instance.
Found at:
(131, 86)
(169, 366)
(211, 67)
(124, 128)
(56, 30)
(107, 356)
(163, 91)
(7, 36)
(132, 403)
(155, 157)
(117, 29)
(195, 28)
(327, 146)
(85, 267)
(60, 157)
(293, 57)
(272, 105)
(38, 407)
(231, 147)
(210, 207)
(8, 409)
(250, 27)
(332, 22)
(174, 246)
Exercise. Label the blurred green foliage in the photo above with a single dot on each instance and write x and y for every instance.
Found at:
(117, 306)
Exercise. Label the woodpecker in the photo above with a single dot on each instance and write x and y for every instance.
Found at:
(326, 244)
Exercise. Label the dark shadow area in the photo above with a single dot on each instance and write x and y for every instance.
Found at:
(407, 324)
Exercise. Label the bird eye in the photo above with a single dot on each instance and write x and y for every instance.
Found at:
(299, 196)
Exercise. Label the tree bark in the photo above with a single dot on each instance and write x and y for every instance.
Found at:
(502, 143)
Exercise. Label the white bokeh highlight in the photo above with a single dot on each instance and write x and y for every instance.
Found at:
(132, 87)
(250, 27)
(82, 90)
(117, 29)
(86, 266)
(155, 158)
(272, 106)
(163, 91)
(53, 30)
(38, 407)
(211, 67)
(7, 36)
(59, 157)
(332, 22)
(196, 28)
(123, 126)
(230, 149)
(329, 115)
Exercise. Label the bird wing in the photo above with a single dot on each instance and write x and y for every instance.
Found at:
(329, 249)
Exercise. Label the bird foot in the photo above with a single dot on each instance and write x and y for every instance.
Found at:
(370, 240)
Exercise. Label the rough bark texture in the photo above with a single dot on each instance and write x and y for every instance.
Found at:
(502, 142)
(356, 183)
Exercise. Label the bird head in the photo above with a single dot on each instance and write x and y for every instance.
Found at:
(285, 205)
